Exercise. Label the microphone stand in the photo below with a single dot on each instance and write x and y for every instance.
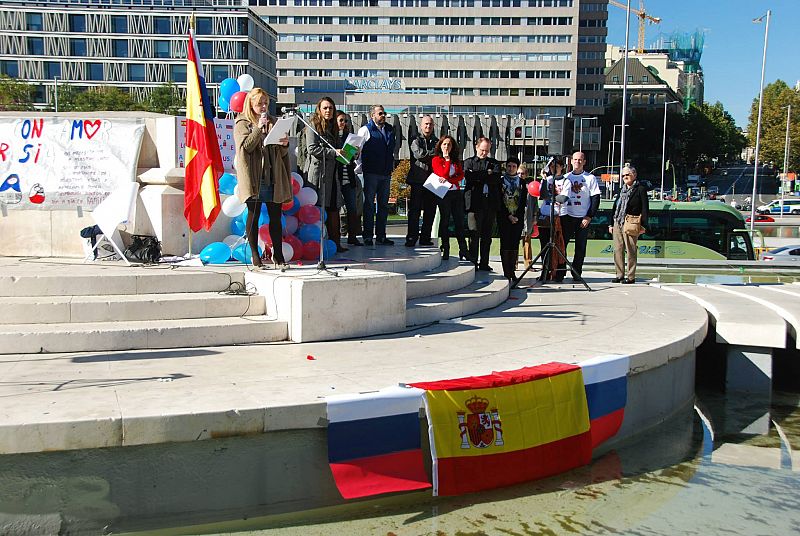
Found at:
(551, 247)
(321, 266)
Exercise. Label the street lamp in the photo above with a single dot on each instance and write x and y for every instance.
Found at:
(535, 140)
(55, 87)
(613, 146)
(785, 154)
(664, 145)
(624, 92)
(580, 139)
(758, 125)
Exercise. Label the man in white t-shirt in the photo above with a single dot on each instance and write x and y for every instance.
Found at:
(583, 191)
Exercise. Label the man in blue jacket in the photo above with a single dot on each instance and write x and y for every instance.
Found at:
(377, 163)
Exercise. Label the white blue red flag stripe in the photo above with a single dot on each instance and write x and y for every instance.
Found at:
(374, 442)
(605, 379)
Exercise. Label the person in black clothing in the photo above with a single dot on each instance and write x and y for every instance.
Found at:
(482, 198)
(632, 200)
(422, 200)
(347, 179)
(511, 217)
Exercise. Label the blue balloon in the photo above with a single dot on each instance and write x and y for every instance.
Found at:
(224, 104)
(330, 249)
(309, 233)
(216, 253)
(228, 87)
(242, 253)
(227, 183)
(283, 221)
(263, 217)
(292, 211)
(237, 227)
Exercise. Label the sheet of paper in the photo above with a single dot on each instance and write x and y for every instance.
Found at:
(280, 130)
(434, 184)
(352, 145)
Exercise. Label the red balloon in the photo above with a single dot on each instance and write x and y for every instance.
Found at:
(295, 186)
(288, 205)
(308, 214)
(311, 251)
(237, 101)
(263, 234)
(296, 244)
(535, 188)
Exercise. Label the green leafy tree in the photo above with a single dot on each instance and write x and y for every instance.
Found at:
(164, 99)
(104, 99)
(777, 96)
(15, 95)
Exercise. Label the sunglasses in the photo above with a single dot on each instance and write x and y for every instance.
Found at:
(381, 113)
(627, 175)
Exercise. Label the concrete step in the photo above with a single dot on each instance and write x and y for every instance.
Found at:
(419, 259)
(450, 275)
(75, 281)
(487, 291)
(141, 334)
(119, 308)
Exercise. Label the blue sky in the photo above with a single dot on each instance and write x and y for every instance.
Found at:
(733, 44)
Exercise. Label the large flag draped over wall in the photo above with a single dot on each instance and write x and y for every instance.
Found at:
(203, 161)
(606, 382)
(374, 443)
(506, 427)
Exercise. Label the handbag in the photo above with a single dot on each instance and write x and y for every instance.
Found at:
(143, 248)
(632, 225)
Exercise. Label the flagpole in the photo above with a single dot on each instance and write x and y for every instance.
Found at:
(191, 33)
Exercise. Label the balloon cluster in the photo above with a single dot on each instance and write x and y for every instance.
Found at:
(233, 93)
(301, 222)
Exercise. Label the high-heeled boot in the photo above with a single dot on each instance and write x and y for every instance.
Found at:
(333, 224)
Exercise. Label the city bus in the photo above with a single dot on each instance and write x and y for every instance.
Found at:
(689, 230)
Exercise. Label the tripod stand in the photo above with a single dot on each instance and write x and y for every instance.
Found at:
(551, 247)
(321, 266)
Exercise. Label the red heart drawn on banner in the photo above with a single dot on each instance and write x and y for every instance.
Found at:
(94, 126)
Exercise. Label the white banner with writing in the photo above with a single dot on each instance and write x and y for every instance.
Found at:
(61, 163)
(227, 147)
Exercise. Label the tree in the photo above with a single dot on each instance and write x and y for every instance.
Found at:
(15, 95)
(777, 96)
(164, 100)
(104, 99)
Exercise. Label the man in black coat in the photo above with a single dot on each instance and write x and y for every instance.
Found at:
(422, 200)
(482, 198)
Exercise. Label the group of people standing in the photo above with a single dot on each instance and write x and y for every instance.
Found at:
(479, 190)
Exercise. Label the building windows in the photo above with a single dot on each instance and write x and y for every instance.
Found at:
(77, 47)
(205, 49)
(9, 68)
(77, 23)
(119, 24)
(52, 69)
(218, 73)
(120, 48)
(162, 25)
(136, 72)
(33, 22)
(94, 71)
(36, 46)
(177, 72)
(162, 49)
(205, 26)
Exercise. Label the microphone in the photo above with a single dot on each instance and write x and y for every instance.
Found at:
(264, 116)
(288, 109)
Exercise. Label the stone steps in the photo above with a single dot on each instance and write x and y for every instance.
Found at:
(123, 308)
(138, 334)
(485, 292)
(449, 275)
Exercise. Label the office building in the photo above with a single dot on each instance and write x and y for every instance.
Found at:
(135, 45)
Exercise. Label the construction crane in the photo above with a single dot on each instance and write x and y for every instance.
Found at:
(643, 18)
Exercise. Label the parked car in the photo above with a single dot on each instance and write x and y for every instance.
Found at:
(762, 218)
(713, 190)
(790, 206)
(783, 254)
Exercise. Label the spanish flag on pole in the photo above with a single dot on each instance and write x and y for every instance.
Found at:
(506, 427)
(203, 161)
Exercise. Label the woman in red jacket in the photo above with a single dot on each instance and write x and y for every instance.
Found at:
(446, 164)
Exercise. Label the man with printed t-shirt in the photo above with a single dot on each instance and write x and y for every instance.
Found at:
(583, 194)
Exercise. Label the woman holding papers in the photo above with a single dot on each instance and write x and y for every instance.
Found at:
(447, 166)
(347, 179)
(263, 174)
(321, 164)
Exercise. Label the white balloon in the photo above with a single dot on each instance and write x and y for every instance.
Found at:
(232, 207)
(291, 225)
(288, 251)
(306, 196)
(299, 178)
(246, 82)
(234, 161)
(233, 240)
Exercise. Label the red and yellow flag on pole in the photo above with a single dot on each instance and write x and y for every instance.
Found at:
(203, 161)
